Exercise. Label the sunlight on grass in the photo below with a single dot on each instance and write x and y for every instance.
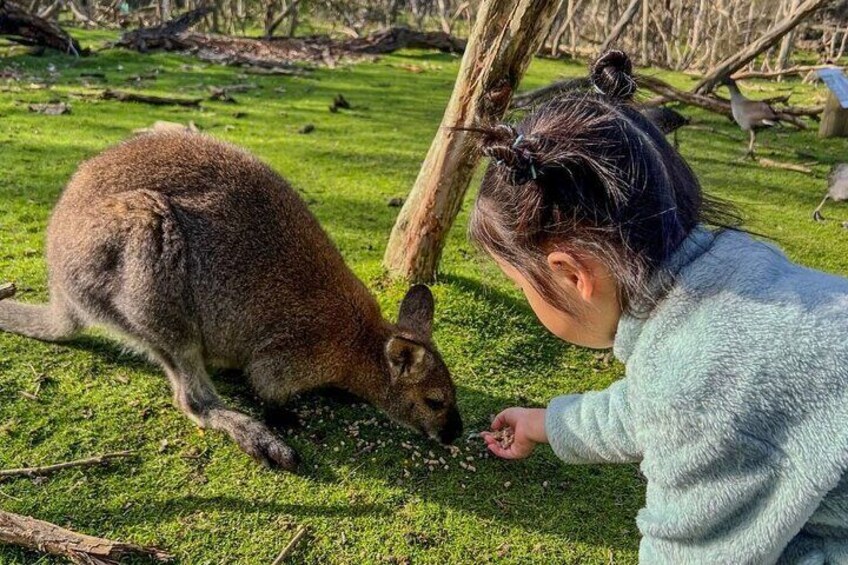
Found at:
(195, 493)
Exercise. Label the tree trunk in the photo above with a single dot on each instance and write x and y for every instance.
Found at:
(646, 7)
(30, 29)
(79, 548)
(623, 21)
(506, 35)
(738, 60)
(786, 44)
(573, 7)
(294, 20)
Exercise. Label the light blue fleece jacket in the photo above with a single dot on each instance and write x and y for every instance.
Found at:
(735, 401)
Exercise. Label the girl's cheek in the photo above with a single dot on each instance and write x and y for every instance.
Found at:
(556, 322)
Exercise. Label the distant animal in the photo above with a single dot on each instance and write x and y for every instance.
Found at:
(750, 115)
(837, 188)
(666, 119)
(202, 256)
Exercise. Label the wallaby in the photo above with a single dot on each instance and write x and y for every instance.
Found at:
(201, 256)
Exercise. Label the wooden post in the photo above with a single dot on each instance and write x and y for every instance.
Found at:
(834, 120)
(506, 35)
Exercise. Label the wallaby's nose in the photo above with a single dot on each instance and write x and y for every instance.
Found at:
(453, 427)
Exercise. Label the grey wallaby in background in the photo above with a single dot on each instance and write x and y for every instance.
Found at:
(201, 256)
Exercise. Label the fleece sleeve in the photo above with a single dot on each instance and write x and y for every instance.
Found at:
(721, 494)
(595, 427)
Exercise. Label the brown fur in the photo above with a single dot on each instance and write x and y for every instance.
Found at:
(199, 254)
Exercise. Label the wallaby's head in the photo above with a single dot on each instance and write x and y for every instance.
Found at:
(421, 392)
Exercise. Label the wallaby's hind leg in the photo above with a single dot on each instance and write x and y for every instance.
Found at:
(130, 274)
(47, 322)
(196, 396)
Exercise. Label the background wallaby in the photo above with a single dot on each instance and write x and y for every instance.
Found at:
(202, 256)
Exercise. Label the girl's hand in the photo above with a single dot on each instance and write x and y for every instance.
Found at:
(528, 425)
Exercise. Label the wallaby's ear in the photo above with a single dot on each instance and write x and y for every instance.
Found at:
(405, 359)
(416, 310)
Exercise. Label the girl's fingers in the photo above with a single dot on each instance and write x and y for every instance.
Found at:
(499, 421)
(499, 451)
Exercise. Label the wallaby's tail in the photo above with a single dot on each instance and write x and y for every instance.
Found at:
(47, 322)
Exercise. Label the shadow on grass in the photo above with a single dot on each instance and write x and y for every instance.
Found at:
(589, 504)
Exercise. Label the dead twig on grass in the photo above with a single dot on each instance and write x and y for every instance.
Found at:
(301, 531)
(49, 469)
(121, 96)
(785, 166)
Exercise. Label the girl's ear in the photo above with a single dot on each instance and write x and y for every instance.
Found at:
(571, 272)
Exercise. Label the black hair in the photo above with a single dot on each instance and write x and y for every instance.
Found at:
(589, 174)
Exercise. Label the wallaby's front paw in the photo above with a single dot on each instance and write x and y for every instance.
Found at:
(260, 443)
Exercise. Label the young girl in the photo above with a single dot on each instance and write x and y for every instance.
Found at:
(736, 395)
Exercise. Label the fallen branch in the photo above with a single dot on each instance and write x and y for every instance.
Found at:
(30, 29)
(802, 69)
(301, 531)
(713, 103)
(280, 52)
(7, 290)
(785, 166)
(43, 536)
(121, 96)
(396, 38)
(50, 469)
(667, 93)
(160, 36)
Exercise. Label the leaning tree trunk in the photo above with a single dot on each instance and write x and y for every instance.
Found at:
(622, 23)
(740, 59)
(505, 37)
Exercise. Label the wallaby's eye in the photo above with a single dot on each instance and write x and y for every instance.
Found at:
(434, 404)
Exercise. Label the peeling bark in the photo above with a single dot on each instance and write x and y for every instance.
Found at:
(506, 35)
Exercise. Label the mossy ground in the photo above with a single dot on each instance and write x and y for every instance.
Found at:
(196, 494)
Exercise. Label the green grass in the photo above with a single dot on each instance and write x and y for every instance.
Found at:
(196, 494)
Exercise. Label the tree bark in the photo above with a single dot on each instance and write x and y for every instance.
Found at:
(506, 35)
(31, 29)
(738, 60)
(79, 548)
(573, 7)
(646, 7)
(623, 21)
(272, 27)
(786, 44)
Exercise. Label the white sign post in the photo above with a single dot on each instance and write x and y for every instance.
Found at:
(834, 121)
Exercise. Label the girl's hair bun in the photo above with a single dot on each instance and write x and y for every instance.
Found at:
(612, 75)
(511, 151)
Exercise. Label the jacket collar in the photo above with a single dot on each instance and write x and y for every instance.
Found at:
(690, 249)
